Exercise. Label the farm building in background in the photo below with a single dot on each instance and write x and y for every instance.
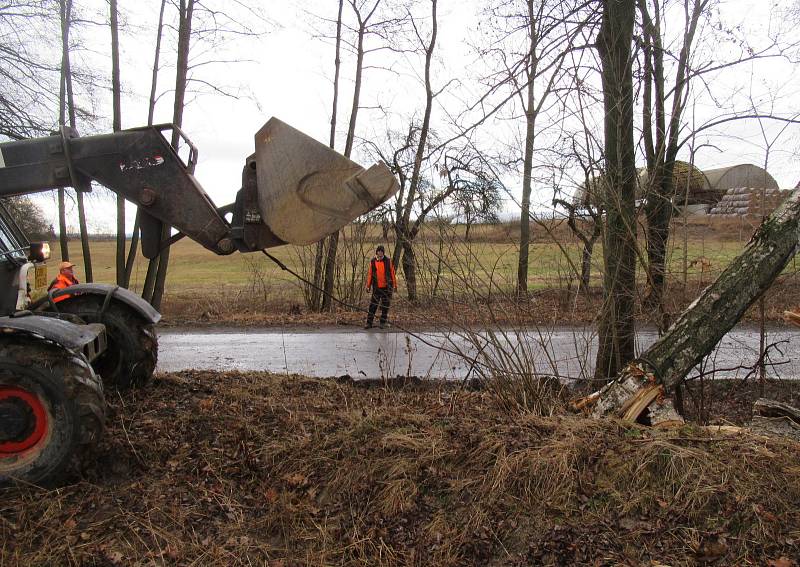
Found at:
(748, 190)
(736, 190)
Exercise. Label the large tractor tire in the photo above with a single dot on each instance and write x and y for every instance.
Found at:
(51, 409)
(132, 353)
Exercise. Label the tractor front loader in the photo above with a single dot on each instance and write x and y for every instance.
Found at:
(56, 357)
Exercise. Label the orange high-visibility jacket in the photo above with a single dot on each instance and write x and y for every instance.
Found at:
(377, 273)
(62, 282)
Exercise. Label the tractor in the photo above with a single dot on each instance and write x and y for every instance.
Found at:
(61, 352)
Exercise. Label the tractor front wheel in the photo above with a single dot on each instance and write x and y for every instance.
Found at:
(132, 352)
(51, 407)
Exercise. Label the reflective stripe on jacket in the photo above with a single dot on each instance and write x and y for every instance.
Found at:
(62, 282)
(377, 273)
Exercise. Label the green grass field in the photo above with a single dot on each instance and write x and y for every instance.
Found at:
(448, 265)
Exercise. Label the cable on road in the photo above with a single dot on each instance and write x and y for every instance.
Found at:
(473, 361)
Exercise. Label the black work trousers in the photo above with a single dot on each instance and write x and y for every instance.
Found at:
(380, 296)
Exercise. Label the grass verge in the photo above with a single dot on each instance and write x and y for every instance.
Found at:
(250, 468)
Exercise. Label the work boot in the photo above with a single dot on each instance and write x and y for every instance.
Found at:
(384, 325)
(368, 326)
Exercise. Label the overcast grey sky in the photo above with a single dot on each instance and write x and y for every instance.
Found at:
(287, 73)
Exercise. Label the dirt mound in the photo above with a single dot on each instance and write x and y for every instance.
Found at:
(239, 469)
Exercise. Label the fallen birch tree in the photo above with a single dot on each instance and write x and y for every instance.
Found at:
(639, 391)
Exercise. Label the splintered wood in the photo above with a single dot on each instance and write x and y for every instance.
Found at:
(634, 396)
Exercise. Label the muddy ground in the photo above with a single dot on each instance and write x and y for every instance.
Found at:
(205, 468)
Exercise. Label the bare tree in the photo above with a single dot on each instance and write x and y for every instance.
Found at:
(407, 195)
(584, 208)
(29, 216)
(476, 198)
(29, 67)
(65, 10)
(586, 224)
(661, 131)
(315, 296)
(201, 24)
(117, 126)
(527, 48)
(616, 324)
(368, 22)
(152, 265)
(665, 129)
(185, 13)
(68, 106)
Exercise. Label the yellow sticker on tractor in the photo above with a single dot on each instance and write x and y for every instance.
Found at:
(40, 279)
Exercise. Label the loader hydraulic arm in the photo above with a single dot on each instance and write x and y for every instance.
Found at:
(139, 164)
(294, 189)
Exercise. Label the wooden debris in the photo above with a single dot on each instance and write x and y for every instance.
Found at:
(775, 418)
(770, 408)
(792, 317)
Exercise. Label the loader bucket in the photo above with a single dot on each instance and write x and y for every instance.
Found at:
(306, 190)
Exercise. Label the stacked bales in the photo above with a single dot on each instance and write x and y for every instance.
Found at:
(749, 201)
(749, 190)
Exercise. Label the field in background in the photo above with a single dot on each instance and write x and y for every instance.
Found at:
(201, 285)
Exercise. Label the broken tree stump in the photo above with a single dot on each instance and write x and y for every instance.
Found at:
(701, 326)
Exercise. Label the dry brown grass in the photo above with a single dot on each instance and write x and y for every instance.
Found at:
(256, 469)
(545, 307)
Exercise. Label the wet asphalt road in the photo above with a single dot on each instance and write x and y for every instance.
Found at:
(338, 351)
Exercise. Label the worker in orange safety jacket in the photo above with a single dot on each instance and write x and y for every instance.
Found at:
(382, 280)
(64, 279)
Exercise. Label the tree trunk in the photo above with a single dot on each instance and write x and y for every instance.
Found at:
(82, 228)
(117, 126)
(184, 40)
(62, 225)
(131, 259)
(409, 263)
(67, 101)
(87, 253)
(658, 211)
(616, 326)
(586, 265)
(527, 167)
(314, 293)
(152, 265)
(410, 269)
(150, 279)
(316, 304)
(330, 272)
(333, 239)
(698, 330)
(65, 8)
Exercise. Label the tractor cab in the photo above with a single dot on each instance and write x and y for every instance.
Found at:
(17, 257)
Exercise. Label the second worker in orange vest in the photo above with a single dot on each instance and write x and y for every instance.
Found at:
(64, 279)
(382, 280)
